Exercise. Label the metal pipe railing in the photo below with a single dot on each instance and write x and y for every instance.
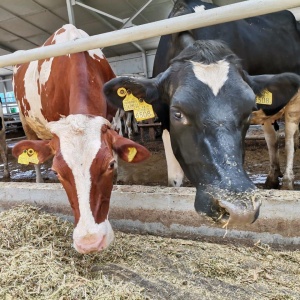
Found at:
(187, 22)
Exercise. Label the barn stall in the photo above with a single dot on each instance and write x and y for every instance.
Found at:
(167, 212)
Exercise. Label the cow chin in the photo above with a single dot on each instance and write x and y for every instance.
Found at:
(227, 207)
(94, 241)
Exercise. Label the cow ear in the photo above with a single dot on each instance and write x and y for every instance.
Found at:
(32, 151)
(141, 88)
(128, 150)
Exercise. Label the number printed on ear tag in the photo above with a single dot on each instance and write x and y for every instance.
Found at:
(130, 102)
(141, 109)
(144, 111)
(266, 98)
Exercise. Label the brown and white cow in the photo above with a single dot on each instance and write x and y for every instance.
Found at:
(278, 96)
(65, 116)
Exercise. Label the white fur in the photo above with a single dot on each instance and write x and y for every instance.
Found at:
(80, 141)
(35, 118)
(175, 173)
(199, 8)
(213, 75)
(72, 34)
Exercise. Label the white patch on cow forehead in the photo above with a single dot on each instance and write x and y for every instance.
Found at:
(199, 8)
(214, 75)
(80, 141)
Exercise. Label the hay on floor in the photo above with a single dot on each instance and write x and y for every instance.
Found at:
(37, 261)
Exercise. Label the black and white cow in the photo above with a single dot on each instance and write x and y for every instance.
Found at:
(268, 44)
(283, 99)
(209, 104)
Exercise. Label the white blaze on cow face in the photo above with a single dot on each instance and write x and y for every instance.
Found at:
(213, 75)
(80, 141)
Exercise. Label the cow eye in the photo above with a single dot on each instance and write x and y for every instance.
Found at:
(178, 115)
(111, 165)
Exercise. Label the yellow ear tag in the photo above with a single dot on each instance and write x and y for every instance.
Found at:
(131, 153)
(144, 111)
(28, 156)
(130, 102)
(266, 98)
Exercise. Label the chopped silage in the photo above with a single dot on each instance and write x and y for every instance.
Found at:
(37, 261)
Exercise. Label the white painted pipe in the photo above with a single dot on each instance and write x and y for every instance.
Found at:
(187, 22)
(296, 12)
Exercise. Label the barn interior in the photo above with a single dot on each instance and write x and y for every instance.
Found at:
(26, 24)
(190, 267)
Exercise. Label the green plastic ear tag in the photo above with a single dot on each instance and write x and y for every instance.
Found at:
(142, 110)
(266, 98)
(28, 156)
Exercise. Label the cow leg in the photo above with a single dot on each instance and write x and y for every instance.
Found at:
(38, 174)
(271, 137)
(175, 173)
(135, 125)
(116, 123)
(291, 133)
(31, 135)
(3, 150)
(128, 124)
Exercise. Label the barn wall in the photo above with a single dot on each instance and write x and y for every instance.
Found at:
(132, 64)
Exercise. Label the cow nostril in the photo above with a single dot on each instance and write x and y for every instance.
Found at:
(222, 215)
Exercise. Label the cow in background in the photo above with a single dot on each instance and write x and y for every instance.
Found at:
(268, 44)
(65, 117)
(3, 145)
(279, 95)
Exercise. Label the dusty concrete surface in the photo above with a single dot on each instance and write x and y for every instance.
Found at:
(170, 212)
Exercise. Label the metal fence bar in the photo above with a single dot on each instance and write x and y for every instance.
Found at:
(187, 22)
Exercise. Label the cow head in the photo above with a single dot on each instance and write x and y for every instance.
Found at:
(83, 148)
(209, 105)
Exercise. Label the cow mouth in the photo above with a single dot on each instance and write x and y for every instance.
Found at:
(234, 209)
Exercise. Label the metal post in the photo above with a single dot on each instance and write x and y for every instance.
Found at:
(70, 11)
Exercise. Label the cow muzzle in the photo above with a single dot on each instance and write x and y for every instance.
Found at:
(229, 208)
(95, 241)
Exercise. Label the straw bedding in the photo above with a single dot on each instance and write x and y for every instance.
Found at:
(37, 261)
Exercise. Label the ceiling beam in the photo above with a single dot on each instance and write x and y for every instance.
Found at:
(8, 49)
(208, 17)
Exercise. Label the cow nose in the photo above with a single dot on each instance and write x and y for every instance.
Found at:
(238, 212)
(228, 207)
(91, 243)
